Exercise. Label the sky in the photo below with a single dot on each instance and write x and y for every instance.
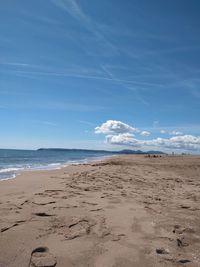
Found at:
(106, 74)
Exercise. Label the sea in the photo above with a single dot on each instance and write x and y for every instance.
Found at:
(13, 161)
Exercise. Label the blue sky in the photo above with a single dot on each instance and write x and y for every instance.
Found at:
(68, 66)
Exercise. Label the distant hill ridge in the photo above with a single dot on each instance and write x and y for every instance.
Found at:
(125, 151)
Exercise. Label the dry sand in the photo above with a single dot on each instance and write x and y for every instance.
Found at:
(128, 211)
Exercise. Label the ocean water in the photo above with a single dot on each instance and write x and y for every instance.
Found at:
(13, 161)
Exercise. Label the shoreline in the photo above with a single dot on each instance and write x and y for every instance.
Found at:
(50, 167)
(124, 211)
(79, 162)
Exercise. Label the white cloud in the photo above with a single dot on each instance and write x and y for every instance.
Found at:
(185, 142)
(115, 127)
(175, 133)
(145, 133)
(188, 142)
(122, 139)
(119, 133)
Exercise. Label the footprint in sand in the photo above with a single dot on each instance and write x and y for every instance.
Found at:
(79, 228)
(43, 202)
(42, 214)
(41, 257)
(114, 200)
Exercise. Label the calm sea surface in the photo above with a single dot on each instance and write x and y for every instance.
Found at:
(13, 161)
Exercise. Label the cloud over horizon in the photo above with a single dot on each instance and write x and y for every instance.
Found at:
(145, 133)
(119, 133)
(175, 133)
(115, 127)
(187, 142)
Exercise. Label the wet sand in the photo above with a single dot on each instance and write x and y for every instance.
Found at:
(127, 211)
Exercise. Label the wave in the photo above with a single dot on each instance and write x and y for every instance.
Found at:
(12, 171)
(51, 166)
(9, 178)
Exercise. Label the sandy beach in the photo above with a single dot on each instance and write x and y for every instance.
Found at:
(127, 211)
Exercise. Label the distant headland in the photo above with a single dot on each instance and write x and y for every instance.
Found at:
(125, 151)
